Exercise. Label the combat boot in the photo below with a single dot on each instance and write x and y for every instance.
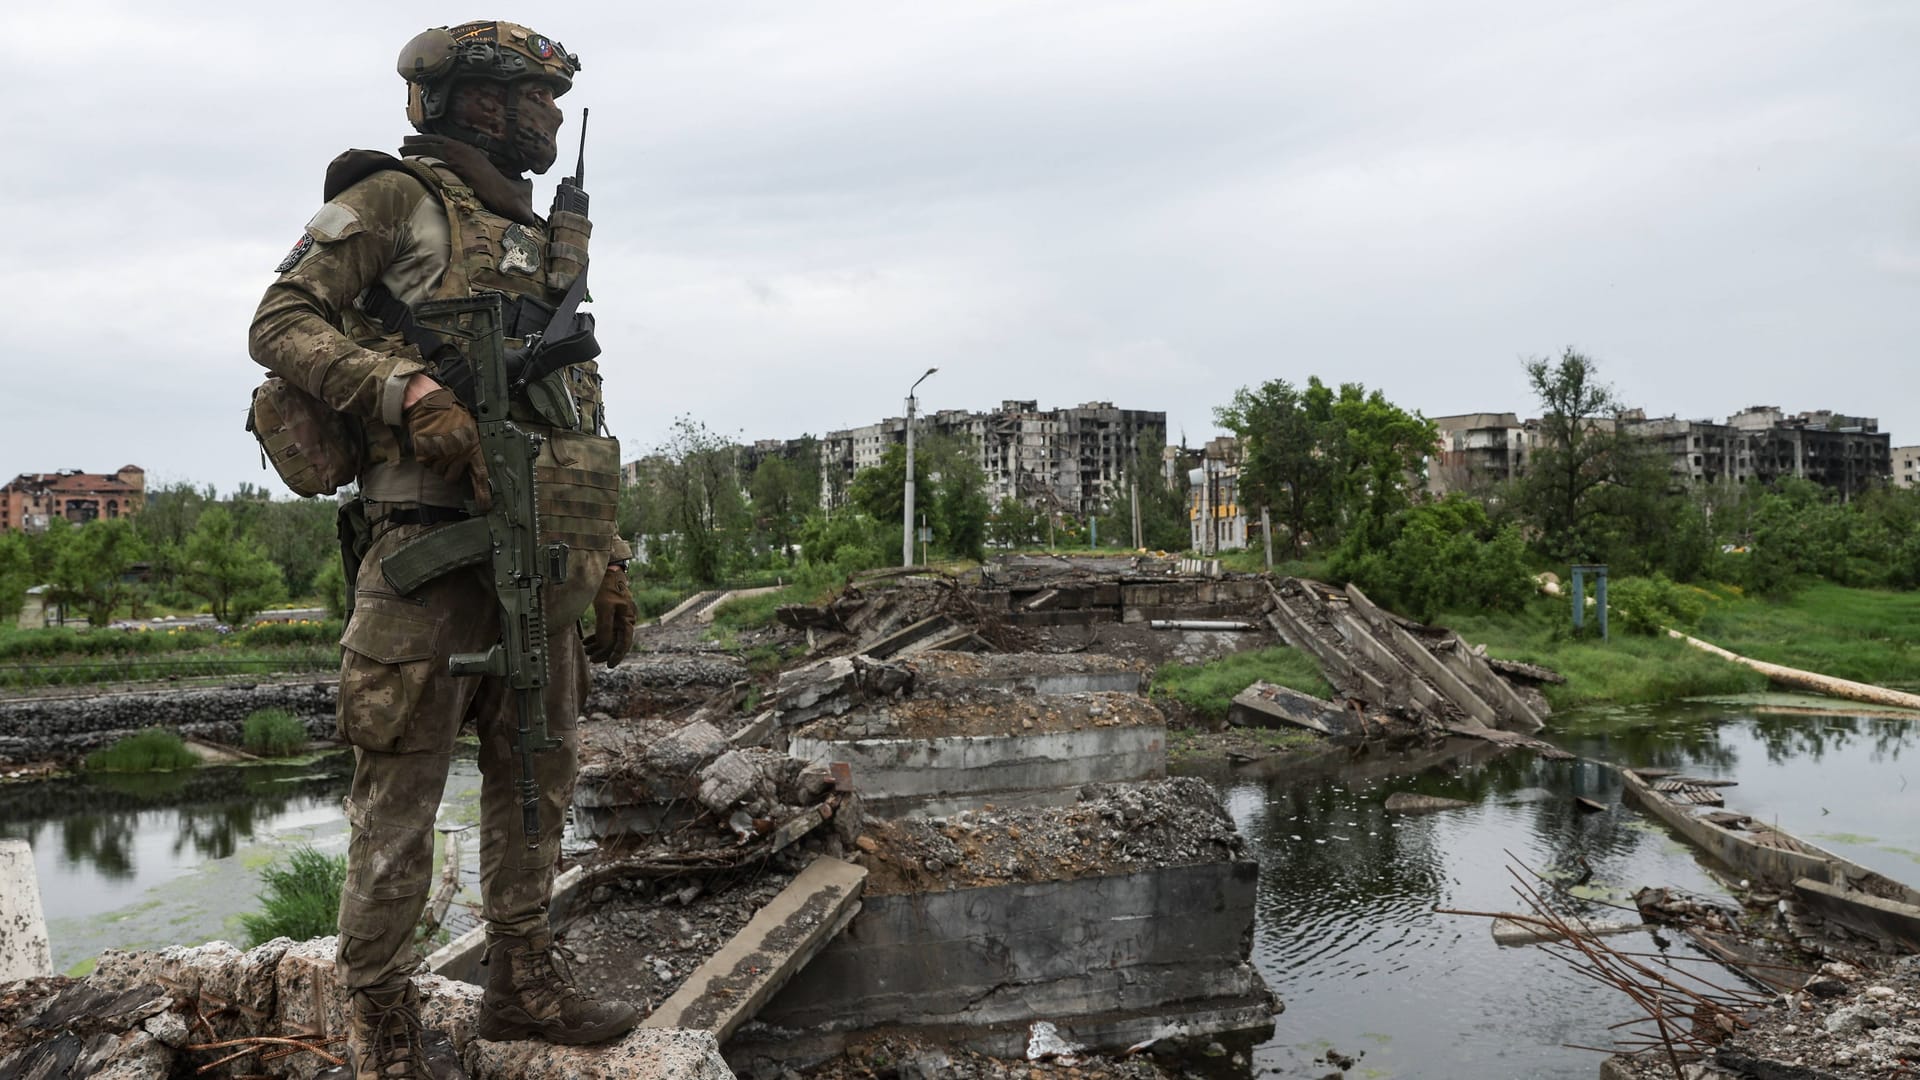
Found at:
(388, 1041)
(531, 992)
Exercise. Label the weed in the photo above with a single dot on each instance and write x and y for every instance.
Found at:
(301, 900)
(273, 733)
(1207, 690)
(152, 750)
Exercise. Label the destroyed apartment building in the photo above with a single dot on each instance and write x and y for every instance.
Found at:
(1074, 460)
(948, 816)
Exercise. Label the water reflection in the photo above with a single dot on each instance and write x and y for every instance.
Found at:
(99, 838)
(1346, 928)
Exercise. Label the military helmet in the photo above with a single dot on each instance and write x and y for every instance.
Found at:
(484, 49)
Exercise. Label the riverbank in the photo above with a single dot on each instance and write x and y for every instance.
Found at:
(1862, 634)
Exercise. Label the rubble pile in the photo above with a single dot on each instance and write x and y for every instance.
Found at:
(986, 712)
(276, 1010)
(1114, 828)
(665, 799)
(898, 1057)
(638, 940)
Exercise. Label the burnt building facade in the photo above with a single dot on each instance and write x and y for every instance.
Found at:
(32, 500)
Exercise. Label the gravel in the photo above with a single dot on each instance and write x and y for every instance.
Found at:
(1114, 828)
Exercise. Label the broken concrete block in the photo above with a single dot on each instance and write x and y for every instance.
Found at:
(1407, 802)
(731, 986)
(686, 749)
(646, 1052)
(308, 999)
(1266, 704)
(727, 781)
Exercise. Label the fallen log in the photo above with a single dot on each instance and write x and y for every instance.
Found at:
(1810, 680)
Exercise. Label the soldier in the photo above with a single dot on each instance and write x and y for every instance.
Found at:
(451, 217)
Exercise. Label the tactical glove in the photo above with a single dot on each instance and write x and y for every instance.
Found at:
(447, 442)
(614, 614)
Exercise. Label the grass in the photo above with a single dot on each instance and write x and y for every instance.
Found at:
(152, 750)
(1626, 670)
(1868, 635)
(273, 733)
(1207, 690)
(301, 900)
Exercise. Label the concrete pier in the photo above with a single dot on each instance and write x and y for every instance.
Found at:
(24, 953)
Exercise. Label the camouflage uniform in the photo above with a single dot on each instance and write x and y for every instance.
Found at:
(419, 227)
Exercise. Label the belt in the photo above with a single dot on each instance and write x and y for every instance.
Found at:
(422, 515)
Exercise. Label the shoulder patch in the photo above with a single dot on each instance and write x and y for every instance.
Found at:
(299, 252)
(335, 220)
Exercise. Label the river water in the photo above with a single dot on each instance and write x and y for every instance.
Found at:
(1347, 934)
(147, 860)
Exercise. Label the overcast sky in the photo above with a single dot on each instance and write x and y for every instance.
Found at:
(800, 206)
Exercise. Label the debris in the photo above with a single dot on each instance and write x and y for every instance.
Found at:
(1044, 1042)
(1407, 802)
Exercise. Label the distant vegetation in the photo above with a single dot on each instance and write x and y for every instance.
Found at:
(273, 733)
(152, 750)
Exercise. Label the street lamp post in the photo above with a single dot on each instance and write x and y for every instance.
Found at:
(906, 527)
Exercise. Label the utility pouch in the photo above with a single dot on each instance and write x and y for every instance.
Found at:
(356, 536)
(314, 449)
(437, 552)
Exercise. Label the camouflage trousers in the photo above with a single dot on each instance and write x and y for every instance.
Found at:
(402, 711)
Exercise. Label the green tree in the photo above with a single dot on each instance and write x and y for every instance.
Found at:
(300, 536)
(783, 495)
(1282, 435)
(960, 507)
(16, 574)
(229, 569)
(1164, 523)
(1580, 454)
(879, 490)
(1014, 524)
(700, 492)
(91, 568)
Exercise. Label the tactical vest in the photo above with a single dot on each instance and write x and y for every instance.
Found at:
(577, 474)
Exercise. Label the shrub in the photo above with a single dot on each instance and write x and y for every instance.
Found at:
(1649, 604)
(152, 750)
(273, 733)
(296, 632)
(1440, 556)
(302, 897)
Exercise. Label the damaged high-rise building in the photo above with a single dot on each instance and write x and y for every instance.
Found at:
(1758, 445)
(1074, 460)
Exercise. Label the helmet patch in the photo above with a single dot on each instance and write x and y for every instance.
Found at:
(299, 252)
(543, 47)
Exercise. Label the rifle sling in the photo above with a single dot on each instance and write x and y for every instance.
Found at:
(437, 552)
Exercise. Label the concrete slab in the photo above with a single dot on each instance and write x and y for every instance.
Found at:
(777, 942)
(24, 953)
(1268, 705)
(1061, 950)
(898, 776)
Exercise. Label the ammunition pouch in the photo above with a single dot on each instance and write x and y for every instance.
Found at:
(436, 553)
(314, 449)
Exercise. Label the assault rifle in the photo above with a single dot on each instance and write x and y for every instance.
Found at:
(521, 565)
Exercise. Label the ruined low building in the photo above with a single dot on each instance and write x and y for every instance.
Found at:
(1906, 466)
(32, 500)
(1759, 445)
(1217, 520)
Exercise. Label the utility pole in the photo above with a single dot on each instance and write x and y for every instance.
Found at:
(906, 528)
(1266, 535)
(1133, 497)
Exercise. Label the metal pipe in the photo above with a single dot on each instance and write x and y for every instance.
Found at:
(1201, 624)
